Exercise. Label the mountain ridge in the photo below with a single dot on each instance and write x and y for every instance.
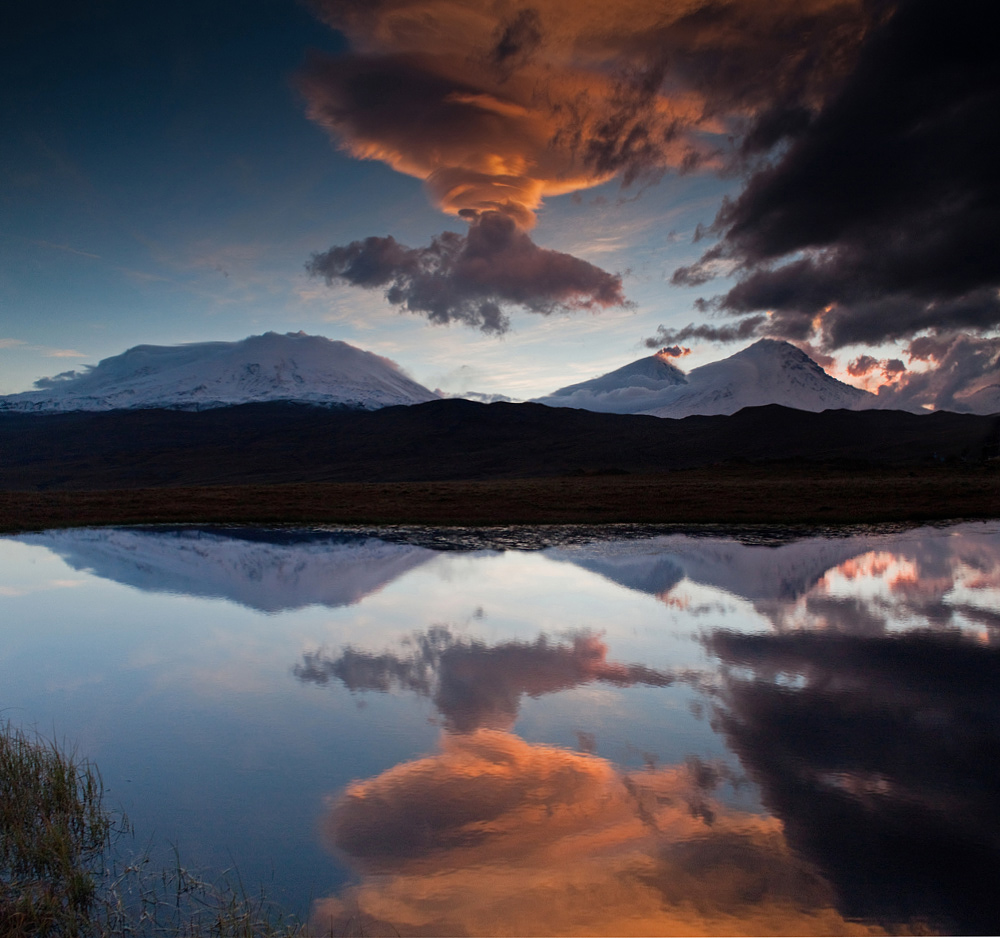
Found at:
(452, 440)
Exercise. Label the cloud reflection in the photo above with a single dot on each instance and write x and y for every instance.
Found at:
(475, 685)
(881, 755)
(493, 835)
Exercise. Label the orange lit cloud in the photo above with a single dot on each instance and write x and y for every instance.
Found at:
(497, 106)
(494, 835)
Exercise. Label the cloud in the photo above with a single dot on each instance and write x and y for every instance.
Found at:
(480, 396)
(472, 278)
(868, 584)
(11, 343)
(862, 365)
(66, 248)
(494, 835)
(878, 219)
(62, 378)
(497, 105)
(751, 327)
(961, 364)
(474, 685)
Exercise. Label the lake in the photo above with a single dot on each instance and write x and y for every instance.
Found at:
(536, 731)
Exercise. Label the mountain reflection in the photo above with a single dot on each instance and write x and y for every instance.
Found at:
(493, 835)
(475, 685)
(268, 570)
(864, 584)
(881, 755)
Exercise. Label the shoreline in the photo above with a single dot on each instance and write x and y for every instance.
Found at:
(759, 494)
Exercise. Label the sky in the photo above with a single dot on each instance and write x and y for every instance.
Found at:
(503, 196)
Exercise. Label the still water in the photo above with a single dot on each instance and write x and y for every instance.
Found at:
(529, 732)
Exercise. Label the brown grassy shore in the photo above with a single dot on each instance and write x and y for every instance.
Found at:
(771, 494)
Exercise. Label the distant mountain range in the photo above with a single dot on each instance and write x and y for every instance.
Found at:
(315, 370)
(271, 367)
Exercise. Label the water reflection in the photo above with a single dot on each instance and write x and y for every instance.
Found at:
(474, 685)
(819, 719)
(865, 584)
(493, 835)
(881, 755)
(270, 571)
(867, 717)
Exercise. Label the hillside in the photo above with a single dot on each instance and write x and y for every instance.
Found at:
(452, 439)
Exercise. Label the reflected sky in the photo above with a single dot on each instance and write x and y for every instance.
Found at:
(672, 734)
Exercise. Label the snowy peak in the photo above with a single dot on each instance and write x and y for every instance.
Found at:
(768, 372)
(269, 367)
(653, 372)
(626, 390)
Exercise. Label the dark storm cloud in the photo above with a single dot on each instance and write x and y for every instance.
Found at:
(881, 218)
(474, 685)
(882, 762)
(747, 328)
(862, 365)
(961, 364)
(473, 278)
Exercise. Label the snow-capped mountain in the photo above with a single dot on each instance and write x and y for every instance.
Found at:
(630, 389)
(768, 372)
(270, 367)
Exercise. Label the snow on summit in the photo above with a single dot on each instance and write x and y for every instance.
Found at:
(270, 367)
(627, 390)
(768, 372)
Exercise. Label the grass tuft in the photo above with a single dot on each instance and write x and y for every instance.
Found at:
(54, 834)
(59, 874)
